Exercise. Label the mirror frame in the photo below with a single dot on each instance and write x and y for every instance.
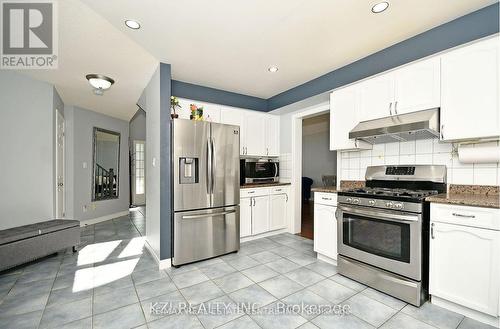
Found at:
(94, 150)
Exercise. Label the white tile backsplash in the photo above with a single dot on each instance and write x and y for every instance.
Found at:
(429, 151)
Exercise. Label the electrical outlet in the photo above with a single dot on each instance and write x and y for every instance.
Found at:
(85, 208)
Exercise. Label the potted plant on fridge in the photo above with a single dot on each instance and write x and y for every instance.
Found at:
(174, 104)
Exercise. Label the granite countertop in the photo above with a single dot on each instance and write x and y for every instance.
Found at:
(344, 185)
(469, 195)
(263, 185)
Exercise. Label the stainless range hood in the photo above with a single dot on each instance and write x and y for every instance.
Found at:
(403, 127)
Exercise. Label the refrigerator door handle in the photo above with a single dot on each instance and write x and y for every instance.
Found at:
(214, 164)
(222, 213)
(209, 168)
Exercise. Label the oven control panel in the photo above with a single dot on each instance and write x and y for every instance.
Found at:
(400, 171)
(380, 203)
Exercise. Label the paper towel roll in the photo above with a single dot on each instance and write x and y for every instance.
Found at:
(478, 153)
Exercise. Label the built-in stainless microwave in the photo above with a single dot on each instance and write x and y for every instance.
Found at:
(263, 170)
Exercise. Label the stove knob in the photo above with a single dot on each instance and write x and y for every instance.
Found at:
(371, 202)
(389, 204)
(398, 206)
(355, 201)
(348, 200)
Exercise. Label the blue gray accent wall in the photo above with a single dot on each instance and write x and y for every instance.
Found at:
(476, 25)
(217, 96)
(467, 28)
(166, 183)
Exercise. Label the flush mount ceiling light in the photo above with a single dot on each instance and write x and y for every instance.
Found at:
(380, 7)
(273, 69)
(99, 82)
(134, 25)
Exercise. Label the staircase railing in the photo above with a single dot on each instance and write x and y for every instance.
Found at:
(104, 182)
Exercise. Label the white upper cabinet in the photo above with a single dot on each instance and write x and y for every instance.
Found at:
(235, 117)
(343, 117)
(470, 91)
(272, 135)
(376, 97)
(412, 88)
(417, 86)
(255, 134)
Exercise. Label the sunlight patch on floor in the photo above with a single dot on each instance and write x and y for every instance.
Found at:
(96, 252)
(134, 248)
(93, 277)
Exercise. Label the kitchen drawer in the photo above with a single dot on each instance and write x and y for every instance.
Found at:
(251, 192)
(279, 190)
(467, 216)
(328, 199)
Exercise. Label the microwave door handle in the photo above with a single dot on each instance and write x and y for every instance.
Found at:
(385, 215)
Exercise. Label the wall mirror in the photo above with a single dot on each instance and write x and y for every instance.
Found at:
(106, 164)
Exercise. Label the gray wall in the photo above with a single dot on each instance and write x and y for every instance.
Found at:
(79, 140)
(150, 102)
(137, 126)
(27, 150)
(155, 100)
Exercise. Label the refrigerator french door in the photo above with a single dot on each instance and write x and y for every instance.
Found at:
(206, 196)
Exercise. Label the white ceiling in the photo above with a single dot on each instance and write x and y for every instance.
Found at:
(88, 43)
(229, 44)
(226, 44)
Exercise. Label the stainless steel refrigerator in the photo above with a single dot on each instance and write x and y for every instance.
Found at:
(206, 191)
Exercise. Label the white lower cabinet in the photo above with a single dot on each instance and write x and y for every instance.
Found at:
(263, 210)
(277, 209)
(465, 259)
(245, 217)
(260, 214)
(325, 225)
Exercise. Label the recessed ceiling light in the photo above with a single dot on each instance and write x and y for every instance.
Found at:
(134, 25)
(380, 7)
(273, 69)
(99, 82)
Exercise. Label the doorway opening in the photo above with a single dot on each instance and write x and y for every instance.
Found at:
(319, 166)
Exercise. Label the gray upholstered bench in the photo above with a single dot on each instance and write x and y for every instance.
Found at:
(22, 244)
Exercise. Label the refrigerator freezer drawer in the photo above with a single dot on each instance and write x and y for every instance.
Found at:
(205, 233)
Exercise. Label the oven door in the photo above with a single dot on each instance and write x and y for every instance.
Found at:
(390, 240)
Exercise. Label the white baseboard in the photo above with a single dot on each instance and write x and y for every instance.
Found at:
(327, 259)
(163, 263)
(103, 218)
(473, 314)
(263, 235)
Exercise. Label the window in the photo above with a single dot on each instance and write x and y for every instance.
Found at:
(140, 178)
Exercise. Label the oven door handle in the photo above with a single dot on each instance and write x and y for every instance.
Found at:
(385, 215)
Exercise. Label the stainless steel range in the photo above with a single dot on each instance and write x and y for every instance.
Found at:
(383, 229)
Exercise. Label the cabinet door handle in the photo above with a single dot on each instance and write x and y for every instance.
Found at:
(251, 192)
(327, 199)
(463, 216)
(442, 131)
(286, 197)
(390, 108)
(396, 107)
(432, 231)
(253, 202)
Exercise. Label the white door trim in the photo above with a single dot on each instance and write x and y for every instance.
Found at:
(141, 200)
(62, 199)
(296, 188)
